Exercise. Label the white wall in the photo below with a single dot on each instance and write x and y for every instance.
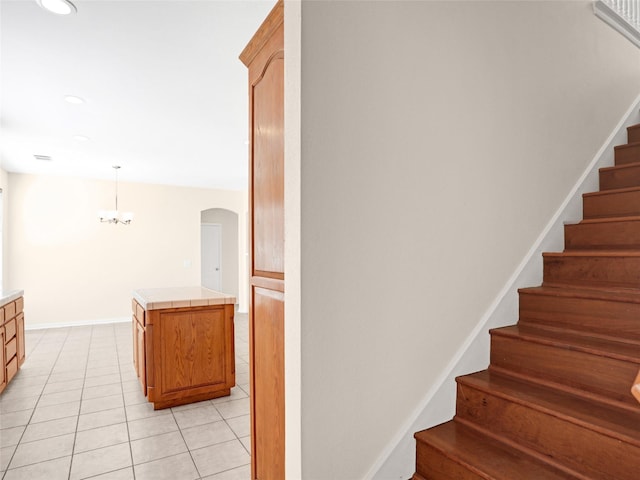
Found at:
(438, 139)
(75, 269)
(4, 186)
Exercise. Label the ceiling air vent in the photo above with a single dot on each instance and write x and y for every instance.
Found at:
(46, 158)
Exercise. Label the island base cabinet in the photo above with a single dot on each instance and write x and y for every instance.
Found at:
(185, 355)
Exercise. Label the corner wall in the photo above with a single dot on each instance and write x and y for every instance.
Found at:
(438, 139)
(4, 251)
(74, 269)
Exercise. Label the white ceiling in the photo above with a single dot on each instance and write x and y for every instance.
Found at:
(166, 96)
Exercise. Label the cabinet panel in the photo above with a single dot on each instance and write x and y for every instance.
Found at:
(3, 362)
(134, 333)
(140, 314)
(193, 349)
(267, 390)
(12, 368)
(9, 311)
(11, 348)
(10, 329)
(19, 305)
(20, 338)
(268, 167)
(141, 360)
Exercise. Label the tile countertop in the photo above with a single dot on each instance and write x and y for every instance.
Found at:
(159, 298)
(9, 296)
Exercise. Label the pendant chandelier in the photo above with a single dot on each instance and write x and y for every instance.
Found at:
(114, 216)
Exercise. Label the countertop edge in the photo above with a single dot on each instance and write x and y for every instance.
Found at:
(10, 296)
(176, 298)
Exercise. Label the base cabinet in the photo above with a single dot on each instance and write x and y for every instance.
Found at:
(12, 345)
(184, 355)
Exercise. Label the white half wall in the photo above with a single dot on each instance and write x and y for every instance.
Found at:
(74, 269)
(438, 139)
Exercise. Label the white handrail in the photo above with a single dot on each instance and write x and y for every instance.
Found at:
(623, 15)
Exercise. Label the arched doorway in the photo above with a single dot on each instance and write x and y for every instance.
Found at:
(219, 231)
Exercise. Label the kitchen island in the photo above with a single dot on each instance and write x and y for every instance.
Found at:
(183, 344)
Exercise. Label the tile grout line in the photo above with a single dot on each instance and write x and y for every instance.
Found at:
(126, 422)
(185, 442)
(38, 401)
(124, 407)
(84, 378)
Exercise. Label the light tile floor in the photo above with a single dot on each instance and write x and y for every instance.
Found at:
(76, 410)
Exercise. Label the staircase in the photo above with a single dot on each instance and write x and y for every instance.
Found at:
(556, 401)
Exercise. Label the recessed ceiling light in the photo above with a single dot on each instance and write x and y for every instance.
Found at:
(45, 158)
(73, 99)
(80, 138)
(60, 7)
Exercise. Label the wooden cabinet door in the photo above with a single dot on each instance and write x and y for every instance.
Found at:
(264, 56)
(267, 387)
(192, 350)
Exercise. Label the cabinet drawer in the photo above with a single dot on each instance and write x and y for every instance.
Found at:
(9, 310)
(19, 305)
(10, 330)
(12, 368)
(11, 348)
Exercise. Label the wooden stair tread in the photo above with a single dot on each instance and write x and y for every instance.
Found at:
(593, 253)
(629, 219)
(611, 192)
(484, 456)
(612, 294)
(620, 167)
(606, 420)
(624, 175)
(619, 350)
(627, 145)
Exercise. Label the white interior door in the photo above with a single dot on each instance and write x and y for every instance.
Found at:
(211, 255)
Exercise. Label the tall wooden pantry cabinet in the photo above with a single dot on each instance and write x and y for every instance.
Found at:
(264, 57)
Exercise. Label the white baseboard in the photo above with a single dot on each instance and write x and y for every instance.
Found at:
(82, 323)
(397, 460)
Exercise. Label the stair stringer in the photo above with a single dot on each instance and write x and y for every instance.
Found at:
(397, 460)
